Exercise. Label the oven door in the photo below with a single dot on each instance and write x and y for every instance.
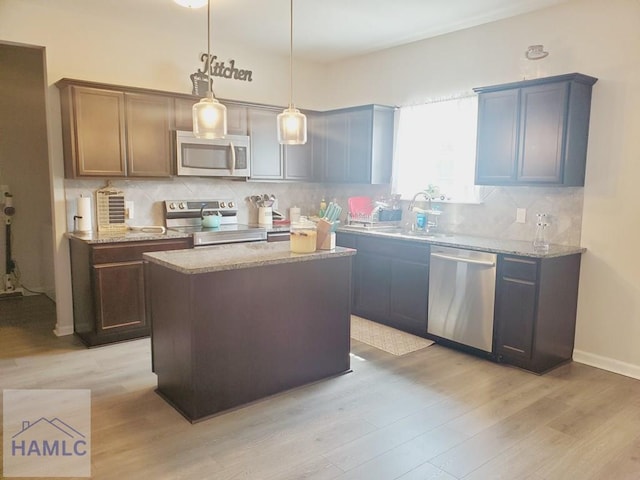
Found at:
(220, 157)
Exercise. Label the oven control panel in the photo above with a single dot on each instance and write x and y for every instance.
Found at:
(196, 205)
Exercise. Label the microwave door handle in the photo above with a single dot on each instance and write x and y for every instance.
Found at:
(233, 158)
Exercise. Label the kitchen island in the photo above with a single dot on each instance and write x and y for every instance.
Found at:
(235, 323)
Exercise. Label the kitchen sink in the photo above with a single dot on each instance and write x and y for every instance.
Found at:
(397, 230)
(428, 234)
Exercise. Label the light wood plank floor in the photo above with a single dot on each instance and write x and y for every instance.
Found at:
(434, 413)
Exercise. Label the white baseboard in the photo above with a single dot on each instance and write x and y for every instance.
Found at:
(606, 363)
(62, 330)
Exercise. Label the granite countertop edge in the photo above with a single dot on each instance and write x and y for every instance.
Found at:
(487, 244)
(238, 256)
(128, 236)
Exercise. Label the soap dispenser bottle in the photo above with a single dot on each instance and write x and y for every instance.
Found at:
(540, 241)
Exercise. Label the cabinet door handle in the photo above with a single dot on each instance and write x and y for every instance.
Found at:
(463, 260)
(233, 157)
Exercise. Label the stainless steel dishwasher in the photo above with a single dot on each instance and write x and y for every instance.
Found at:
(462, 286)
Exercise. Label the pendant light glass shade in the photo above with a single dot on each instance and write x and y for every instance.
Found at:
(191, 3)
(209, 118)
(209, 115)
(292, 125)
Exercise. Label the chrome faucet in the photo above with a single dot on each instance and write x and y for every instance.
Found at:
(421, 222)
(427, 197)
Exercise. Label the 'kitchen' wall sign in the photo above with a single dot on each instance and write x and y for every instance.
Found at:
(217, 69)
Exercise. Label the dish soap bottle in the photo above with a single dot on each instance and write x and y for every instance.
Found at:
(323, 207)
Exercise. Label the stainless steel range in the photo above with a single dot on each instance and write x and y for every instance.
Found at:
(186, 216)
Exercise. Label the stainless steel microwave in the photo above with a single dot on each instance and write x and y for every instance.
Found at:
(220, 157)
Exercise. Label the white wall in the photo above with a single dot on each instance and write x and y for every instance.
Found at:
(596, 37)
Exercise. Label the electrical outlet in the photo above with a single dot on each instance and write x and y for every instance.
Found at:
(521, 215)
(128, 209)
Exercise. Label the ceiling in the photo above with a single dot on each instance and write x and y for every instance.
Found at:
(329, 30)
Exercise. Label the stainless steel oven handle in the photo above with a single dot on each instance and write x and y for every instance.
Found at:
(233, 158)
(463, 259)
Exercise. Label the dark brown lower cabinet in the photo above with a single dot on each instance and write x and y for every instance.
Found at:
(535, 313)
(109, 302)
(390, 281)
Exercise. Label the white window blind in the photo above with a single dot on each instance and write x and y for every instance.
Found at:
(436, 145)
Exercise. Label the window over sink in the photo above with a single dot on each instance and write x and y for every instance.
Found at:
(436, 145)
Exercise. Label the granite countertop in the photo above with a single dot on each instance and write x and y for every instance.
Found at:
(236, 256)
(128, 236)
(493, 245)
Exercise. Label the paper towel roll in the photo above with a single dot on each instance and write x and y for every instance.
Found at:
(83, 217)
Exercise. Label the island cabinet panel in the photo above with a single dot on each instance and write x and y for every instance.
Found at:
(108, 288)
(391, 281)
(534, 132)
(217, 347)
(115, 133)
(536, 303)
(358, 145)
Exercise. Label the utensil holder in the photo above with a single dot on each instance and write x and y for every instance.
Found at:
(265, 216)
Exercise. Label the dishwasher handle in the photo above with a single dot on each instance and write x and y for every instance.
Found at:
(453, 258)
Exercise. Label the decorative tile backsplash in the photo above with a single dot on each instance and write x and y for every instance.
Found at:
(494, 217)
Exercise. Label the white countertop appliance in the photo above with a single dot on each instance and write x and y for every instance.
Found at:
(186, 216)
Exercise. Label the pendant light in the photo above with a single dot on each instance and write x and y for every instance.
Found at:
(209, 115)
(191, 3)
(292, 125)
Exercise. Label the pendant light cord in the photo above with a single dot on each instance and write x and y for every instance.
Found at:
(210, 90)
(291, 56)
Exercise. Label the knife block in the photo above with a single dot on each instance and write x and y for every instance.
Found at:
(323, 240)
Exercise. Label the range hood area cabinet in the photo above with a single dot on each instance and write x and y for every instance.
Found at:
(113, 133)
(534, 132)
(357, 145)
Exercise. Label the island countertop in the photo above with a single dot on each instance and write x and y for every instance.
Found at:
(237, 256)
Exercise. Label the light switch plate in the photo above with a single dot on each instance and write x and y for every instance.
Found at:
(521, 215)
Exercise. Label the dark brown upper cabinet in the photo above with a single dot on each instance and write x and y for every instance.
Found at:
(112, 133)
(534, 132)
